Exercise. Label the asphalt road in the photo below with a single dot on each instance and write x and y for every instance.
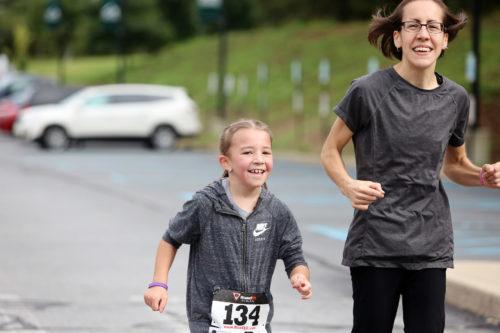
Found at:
(79, 230)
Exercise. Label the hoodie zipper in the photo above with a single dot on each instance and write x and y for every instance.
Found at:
(244, 229)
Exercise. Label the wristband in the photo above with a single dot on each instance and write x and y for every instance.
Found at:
(158, 284)
(481, 177)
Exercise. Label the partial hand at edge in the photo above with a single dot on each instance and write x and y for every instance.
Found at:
(491, 175)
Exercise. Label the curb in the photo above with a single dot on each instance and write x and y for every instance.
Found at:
(475, 286)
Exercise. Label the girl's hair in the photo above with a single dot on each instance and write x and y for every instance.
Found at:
(228, 133)
(384, 26)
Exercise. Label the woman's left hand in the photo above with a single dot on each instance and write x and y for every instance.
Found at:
(491, 175)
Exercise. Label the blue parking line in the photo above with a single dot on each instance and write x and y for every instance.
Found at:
(117, 178)
(482, 204)
(479, 251)
(477, 241)
(338, 234)
(185, 196)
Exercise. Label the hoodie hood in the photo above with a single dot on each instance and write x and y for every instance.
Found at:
(217, 194)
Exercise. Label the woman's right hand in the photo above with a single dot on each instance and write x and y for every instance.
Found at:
(362, 193)
(156, 298)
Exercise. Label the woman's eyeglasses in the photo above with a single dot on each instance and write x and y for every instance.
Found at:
(414, 26)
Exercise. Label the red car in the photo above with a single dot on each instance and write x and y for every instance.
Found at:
(8, 114)
(27, 91)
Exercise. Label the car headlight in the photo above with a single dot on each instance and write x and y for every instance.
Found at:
(27, 117)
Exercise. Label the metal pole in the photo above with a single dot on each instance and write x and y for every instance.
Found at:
(61, 47)
(221, 97)
(120, 53)
(475, 46)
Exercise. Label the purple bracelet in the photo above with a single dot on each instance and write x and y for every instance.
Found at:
(158, 284)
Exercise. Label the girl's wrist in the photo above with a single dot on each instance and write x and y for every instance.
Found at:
(158, 284)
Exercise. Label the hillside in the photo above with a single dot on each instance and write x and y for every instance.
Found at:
(190, 63)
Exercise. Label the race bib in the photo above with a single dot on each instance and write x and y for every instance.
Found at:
(234, 311)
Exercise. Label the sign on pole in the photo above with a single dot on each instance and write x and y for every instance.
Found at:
(210, 10)
(324, 72)
(296, 72)
(262, 73)
(53, 14)
(110, 14)
(470, 67)
(229, 84)
(212, 83)
(373, 65)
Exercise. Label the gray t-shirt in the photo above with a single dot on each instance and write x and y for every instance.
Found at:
(243, 213)
(401, 133)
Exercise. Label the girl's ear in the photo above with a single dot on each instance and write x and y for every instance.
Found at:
(225, 162)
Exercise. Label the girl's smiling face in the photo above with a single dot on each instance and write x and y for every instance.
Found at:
(421, 49)
(250, 158)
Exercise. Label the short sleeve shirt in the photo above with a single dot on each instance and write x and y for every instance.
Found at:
(401, 133)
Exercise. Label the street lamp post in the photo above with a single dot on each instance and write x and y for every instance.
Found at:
(111, 18)
(53, 16)
(475, 48)
(213, 11)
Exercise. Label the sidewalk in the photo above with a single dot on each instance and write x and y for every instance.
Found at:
(475, 286)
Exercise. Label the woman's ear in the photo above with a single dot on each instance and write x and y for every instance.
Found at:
(397, 39)
(225, 162)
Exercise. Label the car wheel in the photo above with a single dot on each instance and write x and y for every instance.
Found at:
(164, 137)
(54, 137)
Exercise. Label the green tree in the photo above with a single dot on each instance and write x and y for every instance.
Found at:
(22, 41)
(180, 15)
(142, 29)
(148, 25)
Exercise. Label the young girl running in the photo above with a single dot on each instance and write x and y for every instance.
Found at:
(407, 122)
(237, 230)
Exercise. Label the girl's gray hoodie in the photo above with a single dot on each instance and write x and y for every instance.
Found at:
(228, 252)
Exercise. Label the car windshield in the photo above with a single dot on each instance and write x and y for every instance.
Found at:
(71, 99)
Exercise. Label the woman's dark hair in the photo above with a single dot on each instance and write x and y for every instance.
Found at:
(382, 27)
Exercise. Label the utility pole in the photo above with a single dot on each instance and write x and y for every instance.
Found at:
(221, 62)
(111, 17)
(476, 26)
(53, 16)
(213, 11)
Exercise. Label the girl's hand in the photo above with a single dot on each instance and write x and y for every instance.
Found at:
(156, 298)
(491, 175)
(302, 284)
(362, 193)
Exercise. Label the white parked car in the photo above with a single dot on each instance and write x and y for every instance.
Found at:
(155, 113)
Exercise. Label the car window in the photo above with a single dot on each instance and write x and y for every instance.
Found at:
(136, 98)
(97, 101)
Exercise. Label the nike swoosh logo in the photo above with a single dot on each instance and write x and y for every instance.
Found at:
(257, 233)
